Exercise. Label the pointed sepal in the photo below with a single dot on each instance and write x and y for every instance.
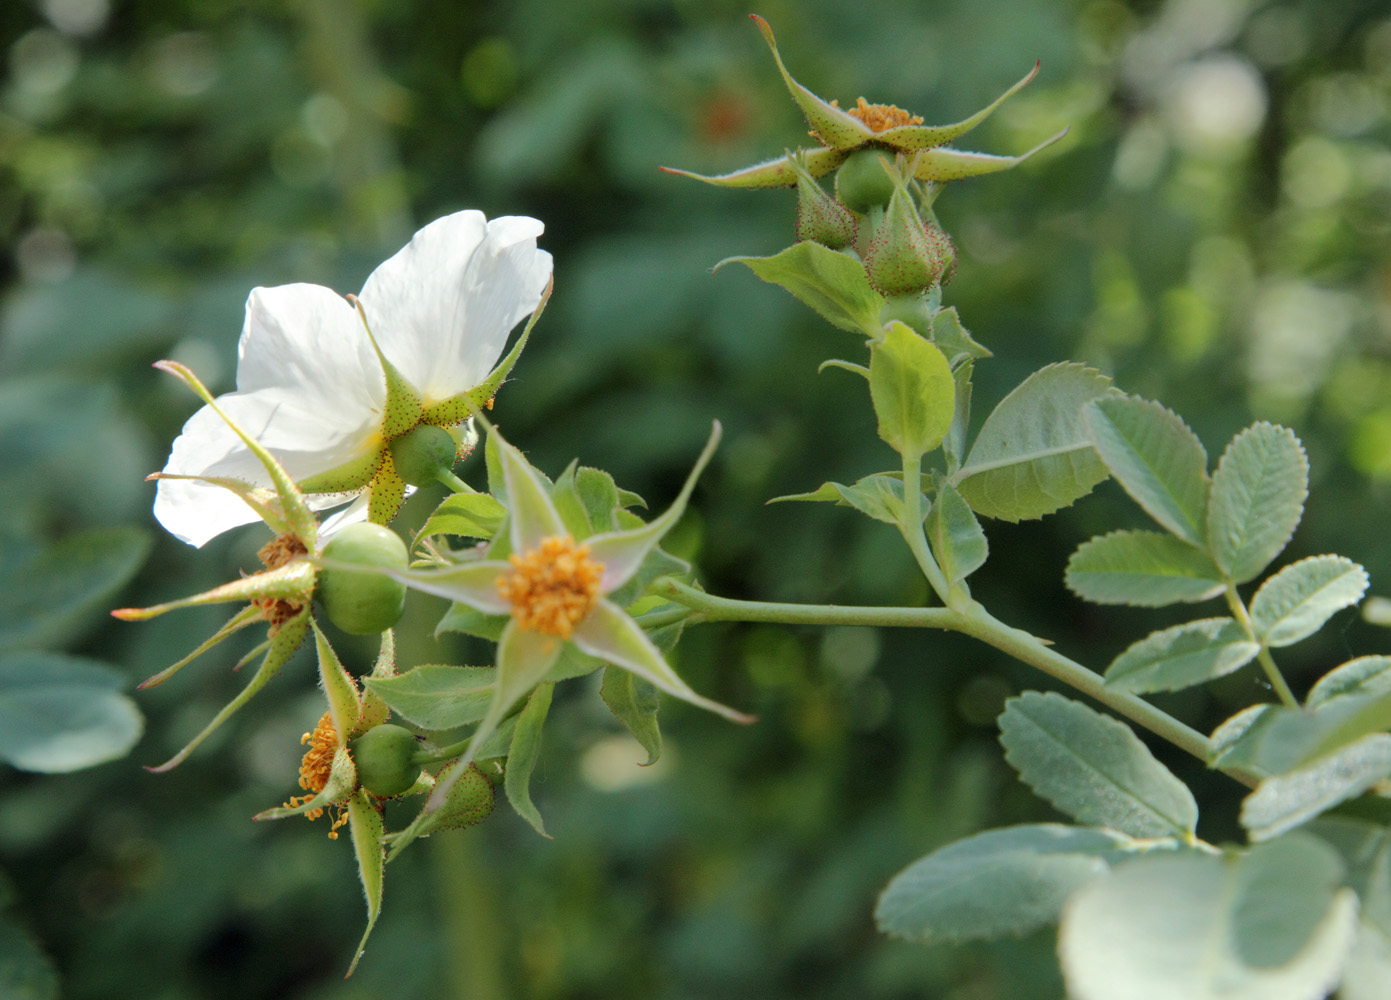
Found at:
(344, 703)
(298, 517)
(292, 582)
(777, 172)
(282, 646)
(246, 616)
(367, 828)
(946, 164)
(835, 128)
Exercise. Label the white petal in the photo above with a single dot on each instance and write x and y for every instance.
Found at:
(307, 441)
(442, 307)
(309, 339)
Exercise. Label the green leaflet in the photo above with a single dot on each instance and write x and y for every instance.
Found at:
(1229, 734)
(634, 702)
(1283, 739)
(1009, 881)
(954, 339)
(954, 444)
(914, 394)
(1157, 460)
(1093, 768)
(437, 695)
(1032, 455)
(1288, 800)
(879, 496)
(1295, 602)
(522, 756)
(1258, 494)
(468, 515)
(462, 618)
(1365, 675)
(62, 713)
(1182, 656)
(1270, 924)
(830, 282)
(955, 535)
(1144, 568)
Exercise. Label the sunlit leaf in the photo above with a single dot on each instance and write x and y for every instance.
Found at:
(1271, 924)
(522, 756)
(467, 515)
(955, 535)
(1365, 675)
(634, 703)
(437, 695)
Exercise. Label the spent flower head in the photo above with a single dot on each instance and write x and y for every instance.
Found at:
(840, 131)
(326, 383)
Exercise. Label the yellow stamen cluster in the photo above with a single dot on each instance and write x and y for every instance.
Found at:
(553, 586)
(880, 117)
(315, 768)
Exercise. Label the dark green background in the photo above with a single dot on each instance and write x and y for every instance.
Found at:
(1214, 232)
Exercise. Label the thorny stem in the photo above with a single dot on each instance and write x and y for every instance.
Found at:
(970, 619)
(1267, 662)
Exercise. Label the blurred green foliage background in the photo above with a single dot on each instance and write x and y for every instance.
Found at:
(1214, 232)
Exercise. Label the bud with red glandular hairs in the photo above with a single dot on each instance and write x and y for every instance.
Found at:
(821, 218)
(906, 255)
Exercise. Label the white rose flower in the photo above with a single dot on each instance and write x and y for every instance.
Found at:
(323, 398)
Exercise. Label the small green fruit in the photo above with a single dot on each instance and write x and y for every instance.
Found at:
(862, 182)
(363, 603)
(383, 759)
(422, 453)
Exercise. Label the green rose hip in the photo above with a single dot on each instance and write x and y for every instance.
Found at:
(383, 758)
(363, 602)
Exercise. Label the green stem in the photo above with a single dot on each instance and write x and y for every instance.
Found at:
(971, 619)
(454, 482)
(1267, 662)
(423, 757)
(662, 618)
(708, 607)
(912, 526)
